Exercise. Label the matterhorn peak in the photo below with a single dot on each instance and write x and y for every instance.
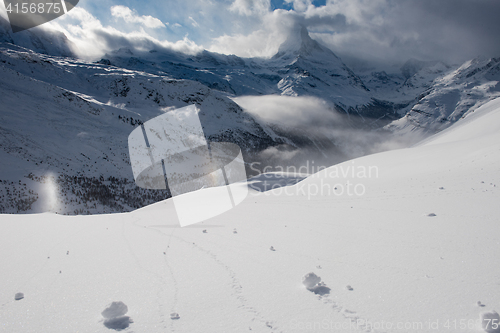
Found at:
(300, 44)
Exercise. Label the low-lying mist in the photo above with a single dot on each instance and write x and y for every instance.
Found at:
(315, 134)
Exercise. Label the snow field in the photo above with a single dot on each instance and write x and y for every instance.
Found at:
(406, 271)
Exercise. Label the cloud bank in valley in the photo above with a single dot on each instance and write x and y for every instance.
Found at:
(314, 118)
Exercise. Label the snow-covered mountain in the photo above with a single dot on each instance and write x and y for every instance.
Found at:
(451, 96)
(93, 100)
(310, 69)
(406, 84)
(72, 119)
(302, 67)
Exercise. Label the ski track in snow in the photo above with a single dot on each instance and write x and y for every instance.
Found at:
(174, 280)
(236, 286)
(163, 281)
(237, 289)
(172, 275)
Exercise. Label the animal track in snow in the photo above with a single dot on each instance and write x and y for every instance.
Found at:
(313, 283)
(237, 289)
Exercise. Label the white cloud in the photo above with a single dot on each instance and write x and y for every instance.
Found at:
(193, 22)
(175, 25)
(93, 40)
(314, 117)
(300, 5)
(265, 35)
(259, 43)
(131, 16)
(250, 7)
(290, 111)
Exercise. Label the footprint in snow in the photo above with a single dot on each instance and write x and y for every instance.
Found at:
(114, 316)
(321, 289)
(313, 283)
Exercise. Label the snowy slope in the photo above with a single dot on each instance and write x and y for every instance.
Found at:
(71, 119)
(417, 252)
(405, 85)
(451, 96)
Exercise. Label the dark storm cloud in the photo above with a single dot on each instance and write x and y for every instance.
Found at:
(393, 31)
(464, 27)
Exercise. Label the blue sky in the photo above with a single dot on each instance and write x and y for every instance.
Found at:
(373, 31)
(281, 4)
